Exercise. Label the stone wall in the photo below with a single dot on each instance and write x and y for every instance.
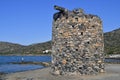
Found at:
(77, 43)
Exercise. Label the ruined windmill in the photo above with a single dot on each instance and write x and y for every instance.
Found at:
(77, 43)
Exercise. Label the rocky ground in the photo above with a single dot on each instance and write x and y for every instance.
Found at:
(2, 76)
(112, 73)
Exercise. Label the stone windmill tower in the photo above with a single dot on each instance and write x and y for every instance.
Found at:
(77, 43)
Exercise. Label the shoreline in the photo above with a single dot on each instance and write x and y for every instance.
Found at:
(2, 76)
(112, 73)
(45, 64)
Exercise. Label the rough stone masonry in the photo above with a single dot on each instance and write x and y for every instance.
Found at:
(77, 43)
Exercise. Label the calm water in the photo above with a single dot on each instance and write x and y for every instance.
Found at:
(110, 60)
(7, 67)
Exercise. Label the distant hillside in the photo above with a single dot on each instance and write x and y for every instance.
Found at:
(7, 48)
(37, 48)
(112, 42)
(111, 39)
(10, 48)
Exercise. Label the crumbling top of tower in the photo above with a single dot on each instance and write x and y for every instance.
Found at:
(67, 13)
(61, 9)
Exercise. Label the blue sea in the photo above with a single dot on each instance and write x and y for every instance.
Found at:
(6, 65)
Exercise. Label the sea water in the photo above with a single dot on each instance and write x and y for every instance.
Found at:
(6, 65)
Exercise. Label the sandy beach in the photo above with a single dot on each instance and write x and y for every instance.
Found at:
(112, 73)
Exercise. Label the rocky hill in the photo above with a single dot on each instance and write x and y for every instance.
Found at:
(37, 48)
(10, 48)
(112, 42)
(112, 45)
(7, 48)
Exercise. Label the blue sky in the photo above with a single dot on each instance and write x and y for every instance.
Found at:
(30, 21)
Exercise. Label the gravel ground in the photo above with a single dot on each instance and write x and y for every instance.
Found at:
(112, 73)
